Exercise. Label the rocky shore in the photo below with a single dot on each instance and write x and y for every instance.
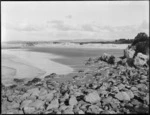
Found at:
(108, 85)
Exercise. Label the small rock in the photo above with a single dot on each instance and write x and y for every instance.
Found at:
(34, 91)
(28, 110)
(122, 96)
(43, 93)
(49, 97)
(94, 109)
(73, 101)
(130, 93)
(147, 99)
(36, 80)
(134, 89)
(51, 76)
(13, 105)
(18, 80)
(63, 107)
(12, 111)
(143, 77)
(54, 104)
(92, 97)
(81, 112)
(26, 103)
(68, 111)
(121, 86)
(108, 112)
(38, 104)
(136, 102)
(107, 100)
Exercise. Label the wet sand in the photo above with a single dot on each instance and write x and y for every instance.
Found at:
(41, 61)
(25, 64)
(75, 57)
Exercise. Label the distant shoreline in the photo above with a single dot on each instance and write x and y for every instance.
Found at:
(65, 45)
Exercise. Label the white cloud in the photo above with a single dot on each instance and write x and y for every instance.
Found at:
(59, 29)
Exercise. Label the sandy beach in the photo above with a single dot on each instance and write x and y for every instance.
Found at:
(24, 64)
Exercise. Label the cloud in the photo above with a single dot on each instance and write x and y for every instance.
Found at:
(59, 29)
(87, 27)
(69, 16)
(55, 22)
(24, 27)
(60, 25)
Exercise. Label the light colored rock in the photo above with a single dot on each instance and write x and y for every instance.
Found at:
(73, 101)
(147, 98)
(12, 111)
(130, 93)
(134, 88)
(141, 60)
(68, 111)
(38, 104)
(108, 112)
(34, 92)
(81, 112)
(129, 53)
(24, 96)
(115, 89)
(13, 105)
(26, 103)
(105, 57)
(94, 109)
(43, 91)
(92, 97)
(11, 98)
(54, 104)
(28, 110)
(107, 100)
(126, 96)
(49, 96)
(20, 112)
(121, 86)
(63, 107)
(122, 96)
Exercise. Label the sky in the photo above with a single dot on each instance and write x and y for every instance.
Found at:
(69, 20)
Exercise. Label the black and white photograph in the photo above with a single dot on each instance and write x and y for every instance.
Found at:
(75, 57)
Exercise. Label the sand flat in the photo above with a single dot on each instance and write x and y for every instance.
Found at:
(30, 64)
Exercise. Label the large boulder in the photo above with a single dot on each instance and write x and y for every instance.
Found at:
(140, 60)
(129, 53)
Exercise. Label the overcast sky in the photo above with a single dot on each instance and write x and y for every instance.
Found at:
(58, 20)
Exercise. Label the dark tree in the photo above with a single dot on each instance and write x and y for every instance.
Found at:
(141, 37)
